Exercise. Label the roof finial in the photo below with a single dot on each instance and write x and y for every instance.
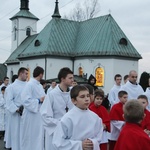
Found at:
(24, 4)
(109, 11)
(56, 11)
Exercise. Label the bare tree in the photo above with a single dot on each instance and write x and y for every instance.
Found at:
(87, 10)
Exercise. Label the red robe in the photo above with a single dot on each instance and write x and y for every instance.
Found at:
(145, 124)
(102, 112)
(116, 112)
(132, 137)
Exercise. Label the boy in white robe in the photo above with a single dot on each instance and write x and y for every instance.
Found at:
(6, 83)
(7, 138)
(31, 124)
(14, 106)
(113, 94)
(80, 128)
(56, 104)
(2, 112)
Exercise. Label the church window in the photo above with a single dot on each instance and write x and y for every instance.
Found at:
(37, 43)
(99, 74)
(11, 74)
(28, 31)
(123, 41)
(80, 71)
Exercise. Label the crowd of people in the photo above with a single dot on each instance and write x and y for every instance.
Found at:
(69, 116)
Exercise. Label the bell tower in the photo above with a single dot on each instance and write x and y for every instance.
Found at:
(24, 24)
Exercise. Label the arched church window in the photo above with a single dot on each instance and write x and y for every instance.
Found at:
(123, 41)
(99, 74)
(80, 71)
(37, 43)
(28, 31)
(11, 74)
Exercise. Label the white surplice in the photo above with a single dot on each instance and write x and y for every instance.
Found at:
(7, 137)
(116, 127)
(13, 103)
(113, 95)
(50, 89)
(147, 93)
(133, 90)
(2, 112)
(76, 126)
(31, 124)
(52, 110)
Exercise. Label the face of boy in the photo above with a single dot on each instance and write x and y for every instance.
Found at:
(143, 102)
(82, 100)
(98, 100)
(68, 80)
(124, 99)
(24, 75)
(118, 80)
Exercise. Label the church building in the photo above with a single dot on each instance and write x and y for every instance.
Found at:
(96, 46)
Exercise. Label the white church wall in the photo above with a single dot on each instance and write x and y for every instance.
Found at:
(24, 23)
(123, 66)
(89, 66)
(12, 69)
(54, 65)
(31, 64)
(111, 67)
(21, 24)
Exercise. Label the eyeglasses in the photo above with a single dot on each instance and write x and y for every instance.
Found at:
(134, 76)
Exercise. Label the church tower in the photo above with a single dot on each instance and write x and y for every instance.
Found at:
(24, 24)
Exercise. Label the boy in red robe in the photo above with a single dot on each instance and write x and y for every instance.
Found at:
(145, 124)
(132, 136)
(103, 114)
(116, 118)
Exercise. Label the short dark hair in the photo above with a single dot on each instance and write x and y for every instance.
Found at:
(133, 111)
(42, 81)
(21, 70)
(76, 89)
(37, 71)
(5, 78)
(99, 92)
(90, 88)
(122, 93)
(14, 77)
(126, 77)
(3, 88)
(143, 97)
(63, 73)
(117, 75)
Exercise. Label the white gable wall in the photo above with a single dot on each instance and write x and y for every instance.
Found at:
(12, 69)
(111, 67)
(55, 64)
(21, 24)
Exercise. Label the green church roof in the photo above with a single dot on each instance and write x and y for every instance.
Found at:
(101, 36)
(24, 14)
(13, 58)
(95, 37)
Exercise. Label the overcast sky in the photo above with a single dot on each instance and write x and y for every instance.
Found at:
(133, 17)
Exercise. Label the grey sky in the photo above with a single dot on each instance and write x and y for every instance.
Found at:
(133, 17)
